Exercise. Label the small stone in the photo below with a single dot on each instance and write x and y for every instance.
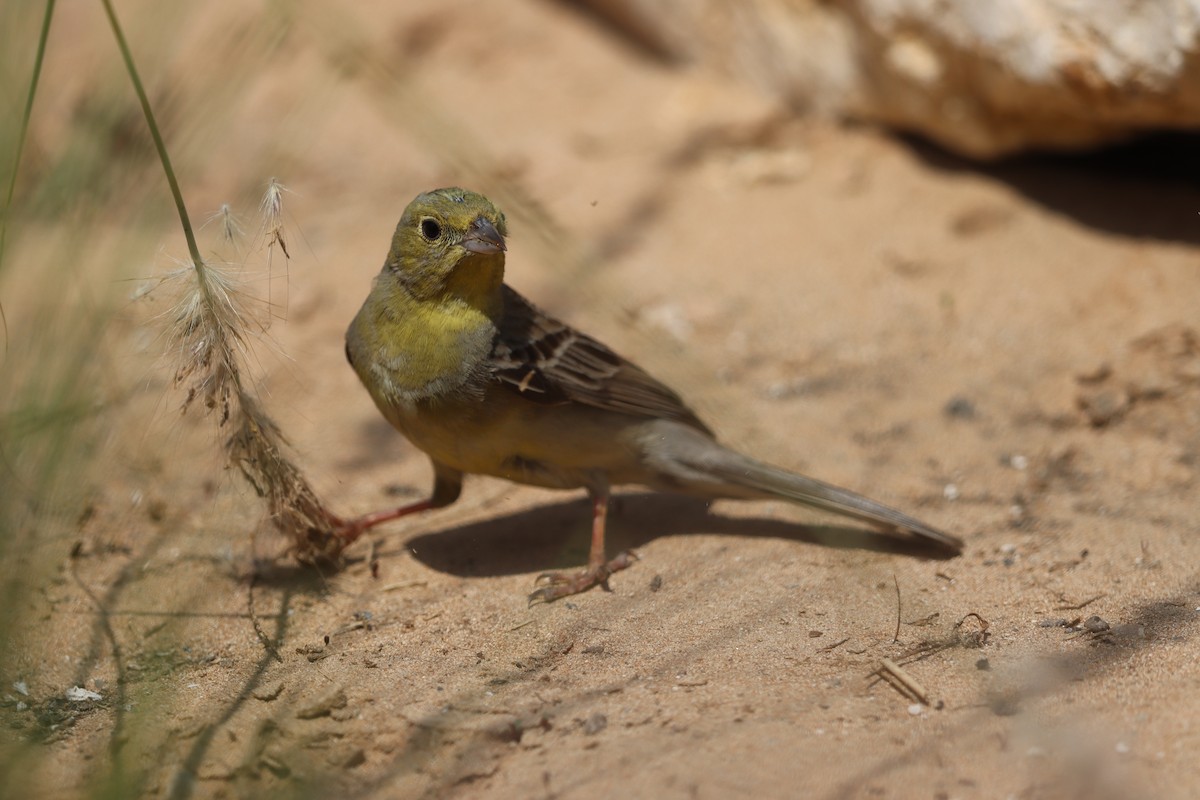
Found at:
(1121, 748)
(950, 491)
(1095, 624)
(1095, 374)
(1103, 406)
(983, 665)
(959, 407)
(268, 693)
(346, 756)
(656, 583)
(915, 709)
(156, 510)
(325, 706)
(594, 724)
(274, 763)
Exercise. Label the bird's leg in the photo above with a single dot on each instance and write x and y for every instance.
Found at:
(561, 584)
(351, 529)
(447, 485)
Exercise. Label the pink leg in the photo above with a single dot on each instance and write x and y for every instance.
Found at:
(351, 529)
(447, 483)
(599, 568)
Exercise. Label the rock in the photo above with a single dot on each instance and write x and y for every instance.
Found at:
(594, 724)
(269, 692)
(983, 79)
(1103, 406)
(324, 706)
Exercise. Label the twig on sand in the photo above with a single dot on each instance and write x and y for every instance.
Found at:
(894, 674)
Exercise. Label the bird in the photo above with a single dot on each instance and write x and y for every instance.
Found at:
(485, 382)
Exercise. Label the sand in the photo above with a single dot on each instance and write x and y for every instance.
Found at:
(1009, 351)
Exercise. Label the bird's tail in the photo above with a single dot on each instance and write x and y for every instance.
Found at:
(716, 471)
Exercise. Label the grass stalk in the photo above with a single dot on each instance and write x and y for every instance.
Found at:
(22, 134)
(210, 327)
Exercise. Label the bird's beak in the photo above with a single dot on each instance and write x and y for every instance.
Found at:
(482, 237)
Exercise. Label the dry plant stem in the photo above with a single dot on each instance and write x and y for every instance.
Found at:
(212, 325)
(26, 113)
(127, 57)
(896, 635)
(889, 668)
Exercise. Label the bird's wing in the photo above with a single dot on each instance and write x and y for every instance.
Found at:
(547, 361)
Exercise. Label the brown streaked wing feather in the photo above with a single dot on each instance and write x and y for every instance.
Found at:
(547, 361)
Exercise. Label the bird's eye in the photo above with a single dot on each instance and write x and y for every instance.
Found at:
(430, 229)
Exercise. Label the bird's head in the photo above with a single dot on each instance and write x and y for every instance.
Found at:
(450, 242)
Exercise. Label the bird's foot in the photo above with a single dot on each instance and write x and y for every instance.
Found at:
(347, 530)
(564, 584)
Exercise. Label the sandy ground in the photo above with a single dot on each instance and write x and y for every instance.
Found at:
(1009, 352)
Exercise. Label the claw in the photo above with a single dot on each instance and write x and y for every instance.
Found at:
(559, 584)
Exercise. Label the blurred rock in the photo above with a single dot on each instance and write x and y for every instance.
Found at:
(1103, 406)
(983, 79)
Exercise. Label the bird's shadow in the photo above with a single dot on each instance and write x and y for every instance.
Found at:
(557, 536)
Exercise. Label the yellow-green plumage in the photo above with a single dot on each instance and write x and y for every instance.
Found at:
(484, 382)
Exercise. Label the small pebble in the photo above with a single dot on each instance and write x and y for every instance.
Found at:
(950, 491)
(1095, 624)
(594, 724)
(325, 706)
(1103, 406)
(268, 693)
(1019, 462)
(915, 709)
(77, 694)
(1095, 374)
(959, 407)
(1122, 748)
